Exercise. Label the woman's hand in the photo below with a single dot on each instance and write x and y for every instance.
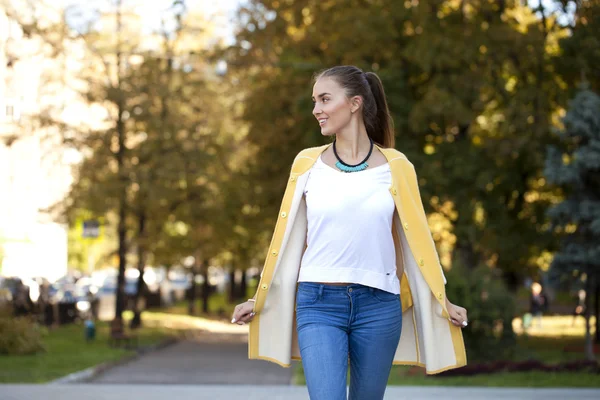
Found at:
(243, 313)
(457, 314)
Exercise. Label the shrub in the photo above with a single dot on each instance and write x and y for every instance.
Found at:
(490, 309)
(19, 335)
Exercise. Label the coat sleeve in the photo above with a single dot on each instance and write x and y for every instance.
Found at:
(414, 188)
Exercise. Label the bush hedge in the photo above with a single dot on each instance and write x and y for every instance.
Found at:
(19, 335)
(490, 308)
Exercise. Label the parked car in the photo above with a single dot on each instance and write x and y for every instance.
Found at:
(180, 281)
(14, 284)
(109, 286)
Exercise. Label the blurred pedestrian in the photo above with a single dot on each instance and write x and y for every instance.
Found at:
(354, 207)
(538, 303)
(22, 302)
(43, 303)
(579, 305)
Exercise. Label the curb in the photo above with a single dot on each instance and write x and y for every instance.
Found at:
(89, 373)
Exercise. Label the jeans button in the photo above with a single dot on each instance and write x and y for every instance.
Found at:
(350, 290)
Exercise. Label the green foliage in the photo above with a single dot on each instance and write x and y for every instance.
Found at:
(20, 336)
(575, 166)
(491, 309)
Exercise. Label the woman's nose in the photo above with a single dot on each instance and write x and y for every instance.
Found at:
(316, 110)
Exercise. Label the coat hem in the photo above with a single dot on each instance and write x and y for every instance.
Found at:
(284, 365)
(409, 363)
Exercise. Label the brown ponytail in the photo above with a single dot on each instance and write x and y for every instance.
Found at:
(376, 114)
(382, 120)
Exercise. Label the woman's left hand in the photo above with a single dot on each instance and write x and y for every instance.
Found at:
(458, 314)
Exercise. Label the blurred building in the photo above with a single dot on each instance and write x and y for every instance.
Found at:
(35, 167)
(34, 173)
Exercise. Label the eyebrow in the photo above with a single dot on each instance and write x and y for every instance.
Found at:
(321, 95)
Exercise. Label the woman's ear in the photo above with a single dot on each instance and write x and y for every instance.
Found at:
(355, 104)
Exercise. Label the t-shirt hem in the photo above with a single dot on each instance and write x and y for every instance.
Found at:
(388, 283)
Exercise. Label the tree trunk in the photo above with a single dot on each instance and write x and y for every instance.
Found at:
(597, 310)
(120, 156)
(195, 268)
(205, 287)
(589, 346)
(243, 286)
(512, 280)
(233, 295)
(136, 322)
(120, 300)
(465, 253)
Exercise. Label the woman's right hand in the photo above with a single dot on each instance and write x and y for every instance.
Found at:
(243, 313)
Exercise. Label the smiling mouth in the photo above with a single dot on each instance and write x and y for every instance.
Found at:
(322, 121)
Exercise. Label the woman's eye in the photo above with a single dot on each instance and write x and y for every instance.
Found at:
(325, 100)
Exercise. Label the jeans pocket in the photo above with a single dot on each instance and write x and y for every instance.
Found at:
(384, 296)
(306, 297)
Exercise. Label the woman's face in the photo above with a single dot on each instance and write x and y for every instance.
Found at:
(332, 108)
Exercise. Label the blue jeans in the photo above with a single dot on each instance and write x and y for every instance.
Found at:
(337, 323)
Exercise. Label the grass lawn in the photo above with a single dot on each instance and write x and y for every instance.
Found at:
(68, 352)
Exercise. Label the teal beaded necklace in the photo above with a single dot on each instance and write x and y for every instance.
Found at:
(342, 166)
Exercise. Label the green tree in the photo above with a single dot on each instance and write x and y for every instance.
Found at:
(484, 101)
(173, 138)
(188, 160)
(575, 166)
(103, 178)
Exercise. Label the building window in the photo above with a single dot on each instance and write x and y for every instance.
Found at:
(10, 112)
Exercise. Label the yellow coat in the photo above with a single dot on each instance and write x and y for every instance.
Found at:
(428, 338)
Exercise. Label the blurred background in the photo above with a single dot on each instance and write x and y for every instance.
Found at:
(145, 148)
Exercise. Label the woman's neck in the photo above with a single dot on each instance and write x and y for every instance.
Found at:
(352, 147)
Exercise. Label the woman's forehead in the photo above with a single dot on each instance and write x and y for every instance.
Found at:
(325, 84)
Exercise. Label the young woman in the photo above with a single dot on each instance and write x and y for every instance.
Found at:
(352, 276)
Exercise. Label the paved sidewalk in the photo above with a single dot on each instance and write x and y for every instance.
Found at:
(198, 362)
(212, 363)
(239, 392)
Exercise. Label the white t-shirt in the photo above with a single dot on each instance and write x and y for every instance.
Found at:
(350, 228)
